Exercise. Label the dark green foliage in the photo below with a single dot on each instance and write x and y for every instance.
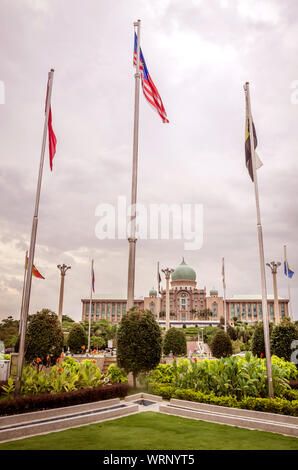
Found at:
(9, 329)
(76, 339)
(232, 333)
(57, 400)
(221, 345)
(258, 343)
(97, 342)
(139, 342)
(175, 342)
(67, 319)
(44, 337)
(208, 333)
(282, 337)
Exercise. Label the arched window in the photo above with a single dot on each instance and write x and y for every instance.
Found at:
(152, 307)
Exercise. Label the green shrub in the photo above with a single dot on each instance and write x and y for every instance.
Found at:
(175, 342)
(291, 371)
(221, 345)
(258, 343)
(76, 339)
(235, 376)
(232, 333)
(282, 337)
(116, 375)
(269, 405)
(44, 337)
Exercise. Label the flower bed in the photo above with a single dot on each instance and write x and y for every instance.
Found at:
(45, 401)
(269, 405)
(239, 377)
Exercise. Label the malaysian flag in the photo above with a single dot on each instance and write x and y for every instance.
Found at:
(149, 89)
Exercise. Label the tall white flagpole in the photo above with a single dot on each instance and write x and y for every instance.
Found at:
(33, 238)
(90, 307)
(289, 293)
(132, 239)
(224, 292)
(261, 248)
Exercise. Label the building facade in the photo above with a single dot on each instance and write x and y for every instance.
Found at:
(189, 304)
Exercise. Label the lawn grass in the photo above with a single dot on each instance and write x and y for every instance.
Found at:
(155, 431)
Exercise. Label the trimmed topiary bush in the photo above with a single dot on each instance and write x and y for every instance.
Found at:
(175, 341)
(139, 342)
(44, 337)
(77, 339)
(221, 345)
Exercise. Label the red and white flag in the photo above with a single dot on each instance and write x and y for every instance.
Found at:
(149, 89)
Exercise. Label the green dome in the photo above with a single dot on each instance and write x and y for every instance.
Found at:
(184, 273)
(214, 291)
(152, 292)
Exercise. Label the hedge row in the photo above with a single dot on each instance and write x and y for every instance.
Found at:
(57, 400)
(270, 405)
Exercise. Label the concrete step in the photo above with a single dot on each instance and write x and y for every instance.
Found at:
(21, 426)
(281, 424)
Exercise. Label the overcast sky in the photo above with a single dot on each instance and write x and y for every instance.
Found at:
(199, 54)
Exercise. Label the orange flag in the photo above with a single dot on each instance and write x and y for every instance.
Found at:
(35, 271)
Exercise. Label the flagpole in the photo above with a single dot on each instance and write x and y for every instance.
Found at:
(290, 303)
(261, 249)
(33, 240)
(22, 304)
(132, 239)
(224, 292)
(90, 308)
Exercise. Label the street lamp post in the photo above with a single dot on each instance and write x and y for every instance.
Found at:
(273, 266)
(62, 270)
(167, 272)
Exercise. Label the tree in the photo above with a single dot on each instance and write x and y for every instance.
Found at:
(67, 319)
(9, 330)
(221, 344)
(139, 342)
(97, 342)
(282, 338)
(232, 332)
(44, 337)
(175, 341)
(76, 339)
(204, 314)
(258, 342)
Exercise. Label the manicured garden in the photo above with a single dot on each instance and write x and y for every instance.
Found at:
(238, 382)
(155, 431)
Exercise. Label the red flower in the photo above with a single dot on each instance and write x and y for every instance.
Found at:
(195, 359)
(38, 360)
(83, 347)
(62, 355)
(262, 354)
(58, 359)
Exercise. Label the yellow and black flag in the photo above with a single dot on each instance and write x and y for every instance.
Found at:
(248, 153)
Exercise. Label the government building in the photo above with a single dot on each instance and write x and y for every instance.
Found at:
(189, 304)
